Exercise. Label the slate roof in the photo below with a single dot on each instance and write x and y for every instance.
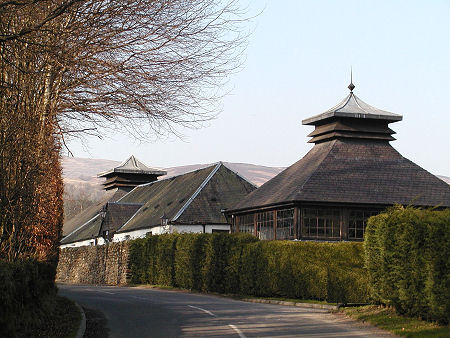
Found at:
(88, 230)
(193, 198)
(116, 214)
(353, 106)
(351, 171)
(197, 197)
(110, 216)
(134, 166)
(88, 213)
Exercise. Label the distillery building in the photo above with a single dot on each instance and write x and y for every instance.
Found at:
(351, 173)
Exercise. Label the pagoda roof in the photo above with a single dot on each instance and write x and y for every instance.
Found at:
(350, 171)
(352, 106)
(133, 166)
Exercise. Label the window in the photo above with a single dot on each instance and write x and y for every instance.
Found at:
(264, 225)
(321, 223)
(357, 221)
(214, 231)
(285, 224)
(127, 237)
(246, 224)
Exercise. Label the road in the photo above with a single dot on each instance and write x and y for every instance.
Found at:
(145, 312)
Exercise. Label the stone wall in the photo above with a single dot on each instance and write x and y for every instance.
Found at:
(101, 264)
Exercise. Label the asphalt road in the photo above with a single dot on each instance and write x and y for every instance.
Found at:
(146, 312)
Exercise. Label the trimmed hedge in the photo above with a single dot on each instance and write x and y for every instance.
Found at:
(240, 264)
(27, 293)
(305, 270)
(407, 258)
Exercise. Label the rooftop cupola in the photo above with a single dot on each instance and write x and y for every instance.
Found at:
(130, 174)
(352, 118)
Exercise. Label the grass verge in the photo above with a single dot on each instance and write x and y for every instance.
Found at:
(172, 288)
(293, 300)
(387, 319)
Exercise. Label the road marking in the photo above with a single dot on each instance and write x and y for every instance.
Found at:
(239, 332)
(90, 290)
(206, 311)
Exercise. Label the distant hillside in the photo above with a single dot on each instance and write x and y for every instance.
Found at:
(83, 187)
(85, 170)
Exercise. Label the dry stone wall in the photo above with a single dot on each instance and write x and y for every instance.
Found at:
(101, 264)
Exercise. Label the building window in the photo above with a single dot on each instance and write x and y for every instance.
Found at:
(246, 223)
(357, 221)
(264, 225)
(127, 237)
(321, 223)
(285, 224)
(216, 231)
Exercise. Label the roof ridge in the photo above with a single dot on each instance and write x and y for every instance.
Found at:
(199, 189)
(338, 105)
(357, 99)
(80, 227)
(169, 178)
(238, 175)
(124, 203)
(129, 220)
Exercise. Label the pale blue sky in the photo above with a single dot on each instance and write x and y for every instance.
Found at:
(298, 64)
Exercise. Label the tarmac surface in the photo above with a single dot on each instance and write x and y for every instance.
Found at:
(148, 312)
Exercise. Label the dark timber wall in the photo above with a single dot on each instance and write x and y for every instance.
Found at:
(101, 264)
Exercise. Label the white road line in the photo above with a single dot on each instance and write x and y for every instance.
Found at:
(206, 311)
(90, 290)
(239, 332)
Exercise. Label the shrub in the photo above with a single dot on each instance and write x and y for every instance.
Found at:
(406, 256)
(27, 292)
(189, 258)
(305, 270)
(240, 264)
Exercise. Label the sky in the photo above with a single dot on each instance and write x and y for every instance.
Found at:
(297, 64)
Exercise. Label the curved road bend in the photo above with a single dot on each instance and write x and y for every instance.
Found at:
(143, 312)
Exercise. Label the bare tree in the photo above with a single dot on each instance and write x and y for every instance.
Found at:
(143, 64)
(71, 66)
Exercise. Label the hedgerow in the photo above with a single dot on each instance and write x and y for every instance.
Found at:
(27, 293)
(407, 254)
(240, 264)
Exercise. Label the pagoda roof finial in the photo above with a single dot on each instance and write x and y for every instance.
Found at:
(351, 86)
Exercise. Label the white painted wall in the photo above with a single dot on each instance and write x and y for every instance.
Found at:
(159, 230)
(123, 236)
(141, 233)
(88, 242)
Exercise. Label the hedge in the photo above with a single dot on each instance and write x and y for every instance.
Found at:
(27, 293)
(240, 264)
(407, 254)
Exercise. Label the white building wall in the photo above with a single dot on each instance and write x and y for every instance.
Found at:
(141, 233)
(87, 242)
(159, 230)
(123, 236)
